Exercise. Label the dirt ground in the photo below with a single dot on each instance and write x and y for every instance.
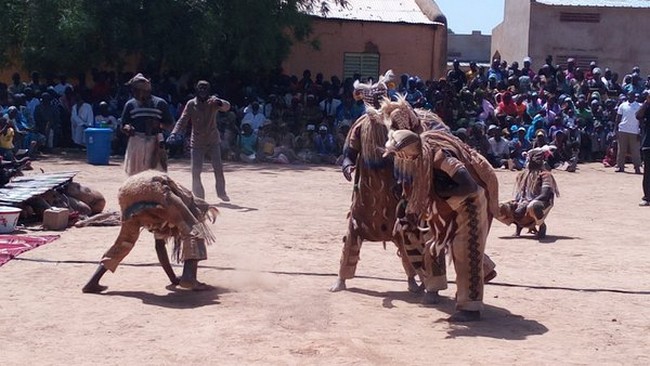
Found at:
(579, 297)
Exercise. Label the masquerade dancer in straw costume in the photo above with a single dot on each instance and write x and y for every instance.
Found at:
(143, 118)
(375, 195)
(454, 189)
(535, 190)
(153, 201)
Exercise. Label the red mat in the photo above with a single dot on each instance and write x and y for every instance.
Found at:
(12, 245)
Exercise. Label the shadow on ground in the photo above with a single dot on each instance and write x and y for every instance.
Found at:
(176, 298)
(495, 322)
(549, 239)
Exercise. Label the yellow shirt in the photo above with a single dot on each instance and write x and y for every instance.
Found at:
(7, 139)
(470, 75)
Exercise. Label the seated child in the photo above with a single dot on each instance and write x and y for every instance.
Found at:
(247, 143)
(6, 140)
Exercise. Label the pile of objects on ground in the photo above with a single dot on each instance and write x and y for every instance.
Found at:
(52, 199)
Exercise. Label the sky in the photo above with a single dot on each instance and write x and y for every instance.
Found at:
(464, 16)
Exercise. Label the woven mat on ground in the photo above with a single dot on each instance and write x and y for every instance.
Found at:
(12, 245)
(112, 218)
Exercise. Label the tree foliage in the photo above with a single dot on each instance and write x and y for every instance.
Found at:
(199, 35)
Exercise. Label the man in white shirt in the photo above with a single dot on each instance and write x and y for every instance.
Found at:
(81, 117)
(499, 148)
(628, 133)
(254, 116)
(63, 83)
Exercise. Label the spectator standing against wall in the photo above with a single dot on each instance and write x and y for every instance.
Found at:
(628, 134)
(205, 138)
(643, 115)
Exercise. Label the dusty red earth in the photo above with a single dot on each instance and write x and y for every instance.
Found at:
(579, 297)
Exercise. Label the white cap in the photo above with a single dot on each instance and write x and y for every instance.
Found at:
(528, 59)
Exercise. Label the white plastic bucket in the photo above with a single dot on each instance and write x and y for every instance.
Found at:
(8, 219)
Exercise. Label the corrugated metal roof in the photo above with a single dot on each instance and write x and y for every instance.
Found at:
(598, 3)
(391, 11)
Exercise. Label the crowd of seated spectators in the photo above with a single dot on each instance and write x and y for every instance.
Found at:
(504, 110)
(501, 111)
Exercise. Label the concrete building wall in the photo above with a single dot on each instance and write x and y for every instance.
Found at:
(612, 36)
(439, 60)
(510, 39)
(469, 47)
(415, 49)
(615, 41)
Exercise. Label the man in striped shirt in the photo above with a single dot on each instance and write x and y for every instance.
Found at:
(143, 118)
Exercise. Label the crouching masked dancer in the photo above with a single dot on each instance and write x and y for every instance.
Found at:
(455, 191)
(375, 192)
(535, 190)
(153, 201)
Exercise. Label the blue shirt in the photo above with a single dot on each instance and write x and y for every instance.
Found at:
(248, 144)
(325, 144)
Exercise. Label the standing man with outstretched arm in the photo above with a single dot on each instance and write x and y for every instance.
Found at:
(205, 139)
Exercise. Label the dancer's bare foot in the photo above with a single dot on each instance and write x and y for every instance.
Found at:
(463, 316)
(195, 285)
(431, 298)
(541, 233)
(93, 288)
(414, 287)
(339, 285)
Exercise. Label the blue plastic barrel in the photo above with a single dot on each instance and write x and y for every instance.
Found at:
(98, 145)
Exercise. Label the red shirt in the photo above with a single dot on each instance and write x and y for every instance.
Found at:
(509, 109)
